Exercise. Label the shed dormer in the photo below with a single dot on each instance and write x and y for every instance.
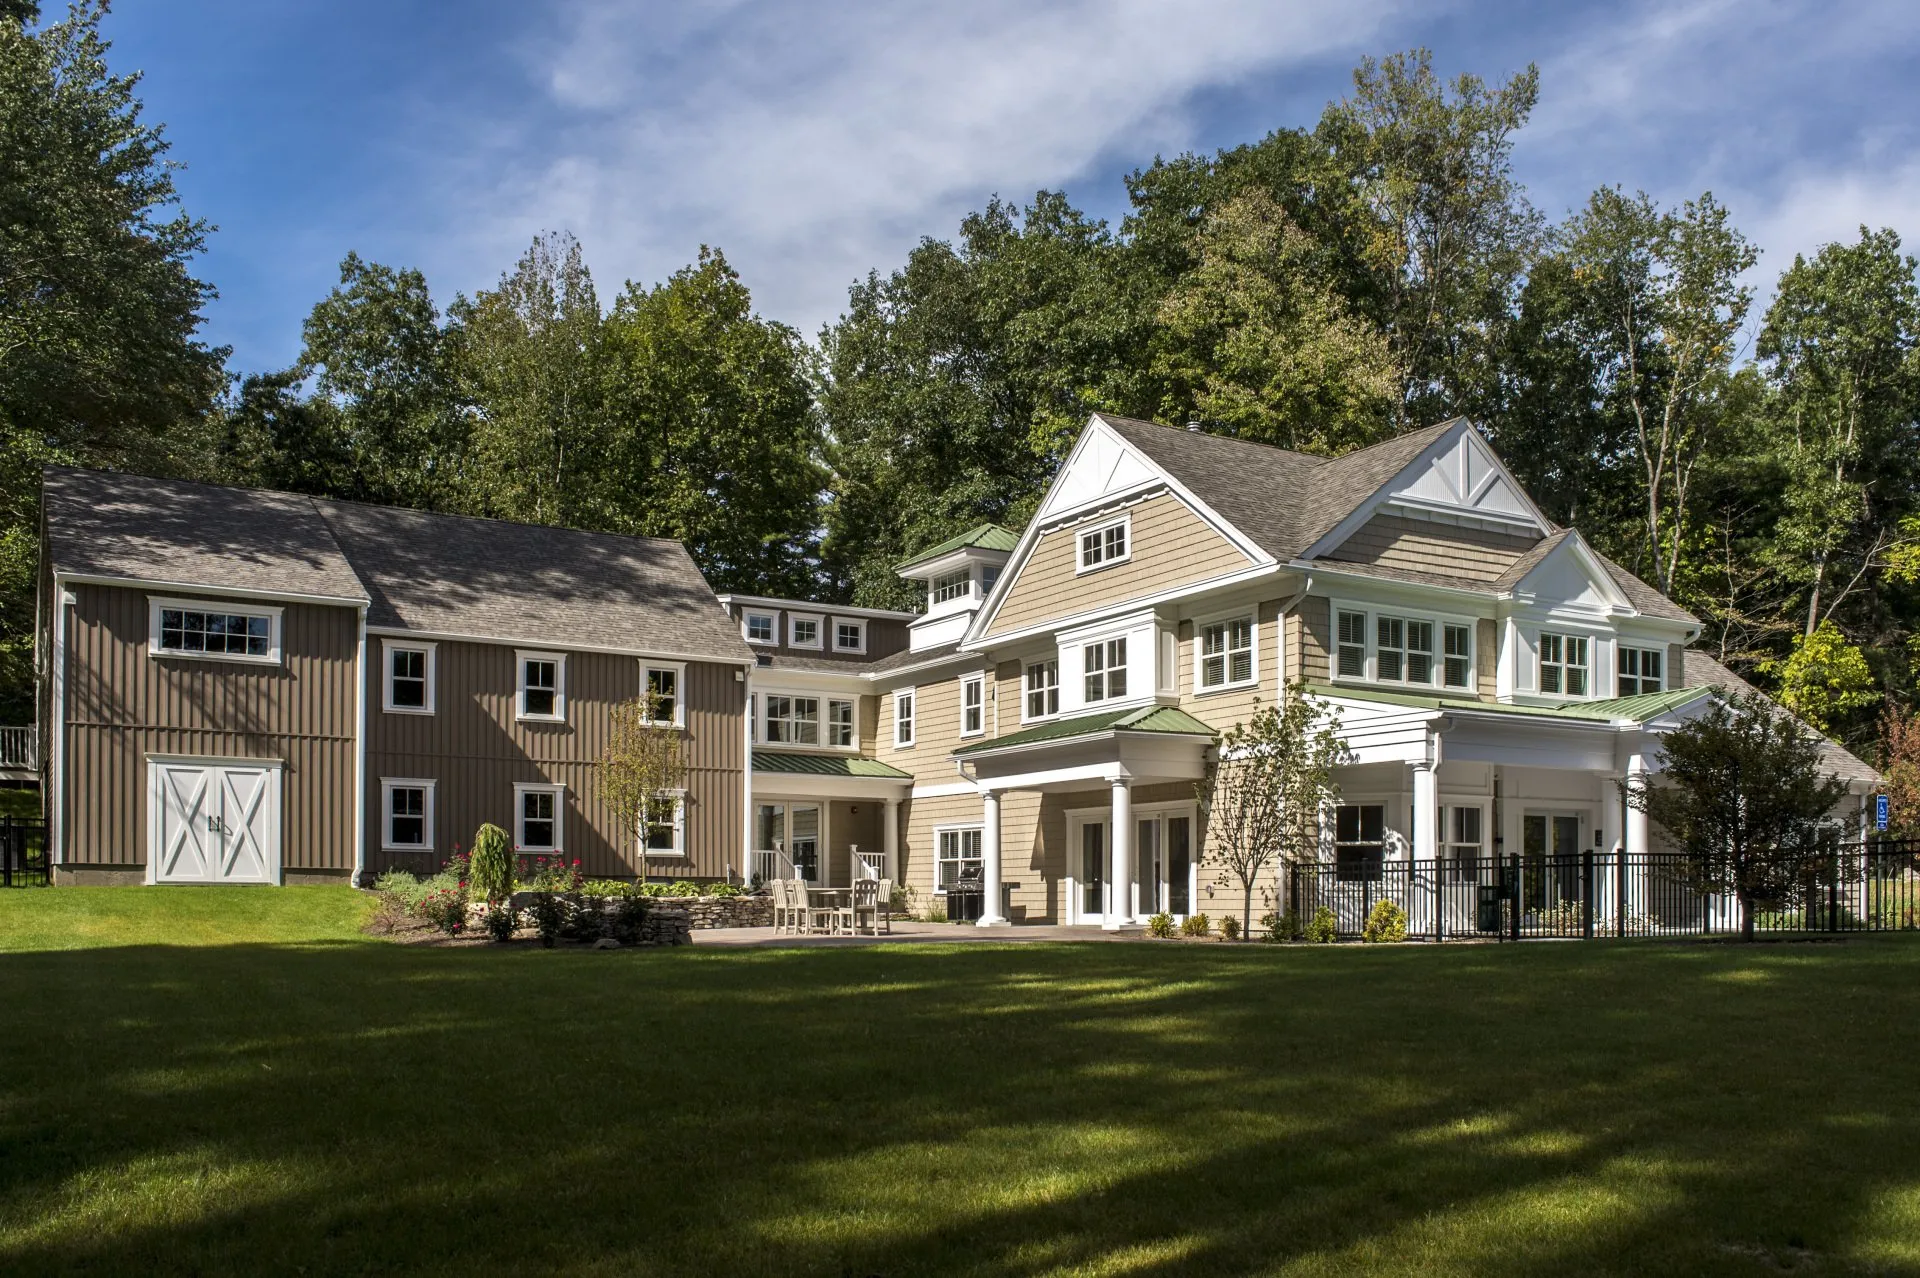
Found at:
(958, 574)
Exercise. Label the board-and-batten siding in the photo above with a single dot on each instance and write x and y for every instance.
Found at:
(475, 750)
(124, 704)
(1444, 550)
(1170, 546)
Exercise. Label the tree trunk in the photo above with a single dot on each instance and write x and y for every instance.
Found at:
(1246, 911)
(1813, 605)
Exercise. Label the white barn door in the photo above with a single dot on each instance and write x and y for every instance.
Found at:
(213, 822)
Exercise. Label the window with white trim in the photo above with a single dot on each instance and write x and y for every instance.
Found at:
(409, 684)
(973, 705)
(1563, 664)
(849, 635)
(664, 690)
(1463, 843)
(1403, 650)
(1641, 670)
(1457, 663)
(407, 810)
(802, 631)
(953, 585)
(792, 720)
(1352, 646)
(989, 575)
(667, 825)
(1226, 653)
(840, 727)
(903, 718)
(1106, 669)
(958, 855)
(542, 692)
(1107, 544)
(1359, 842)
(220, 631)
(762, 627)
(1043, 689)
(539, 817)
(753, 718)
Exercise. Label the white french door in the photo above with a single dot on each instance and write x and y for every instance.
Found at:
(213, 822)
(1162, 876)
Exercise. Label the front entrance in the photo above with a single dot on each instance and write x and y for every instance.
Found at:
(213, 822)
(787, 839)
(1163, 864)
(1550, 856)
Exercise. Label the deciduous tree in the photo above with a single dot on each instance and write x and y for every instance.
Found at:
(641, 768)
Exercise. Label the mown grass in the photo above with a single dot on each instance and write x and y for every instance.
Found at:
(299, 1099)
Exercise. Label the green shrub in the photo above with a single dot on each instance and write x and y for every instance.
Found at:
(446, 909)
(499, 921)
(1196, 925)
(609, 889)
(1387, 922)
(549, 914)
(548, 873)
(625, 918)
(490, 866)
(1323, 927)
(1279, 927)
(1229, 928)
(722, 889)
(1160, 925)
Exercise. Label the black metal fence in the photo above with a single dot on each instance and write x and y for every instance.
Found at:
(23, 853)
(1871, 886)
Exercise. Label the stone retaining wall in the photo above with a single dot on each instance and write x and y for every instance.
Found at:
(725, 911)
(666, 925)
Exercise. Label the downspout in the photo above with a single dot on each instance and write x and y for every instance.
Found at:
(359, 760)
(745, 674)
(1286, 606)
(57, 729)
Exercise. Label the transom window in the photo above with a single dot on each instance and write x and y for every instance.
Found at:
(959, 856)
(409, 678)
(762, 627)
(803, 632)
(663, 695)
(849, 636)
(793, 720)
(1226, 653)
(1457, 668)
(1403, 650)
(1043, 689)
(953, 585)
(903, 717)
(1353, 645)
(973, 706)
(538, 815)
(540, 685)
(1641, 670)
(1104, 545)
(1563, 665)
(202, 630)
(409, 814)
(1359, 842)
(1106, 670)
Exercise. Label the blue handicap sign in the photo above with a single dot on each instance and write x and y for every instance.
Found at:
(1880, 812)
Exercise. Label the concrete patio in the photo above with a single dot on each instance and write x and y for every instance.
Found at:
(905, 933)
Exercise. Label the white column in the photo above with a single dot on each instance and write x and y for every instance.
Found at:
(1606, 878)
(1636, 843)
(890, 840)
(990, 915)
(1426, 813)
(1120, 884)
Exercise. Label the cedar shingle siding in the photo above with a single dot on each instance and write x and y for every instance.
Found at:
(1443, 550)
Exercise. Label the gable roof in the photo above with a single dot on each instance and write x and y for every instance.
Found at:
(109, 524)
(1701, 668)
(431, 573)
(978, 537)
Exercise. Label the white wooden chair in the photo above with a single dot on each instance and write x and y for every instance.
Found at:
(865, 910)
(883, 905)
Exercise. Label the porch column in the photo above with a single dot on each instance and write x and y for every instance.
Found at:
(1120, 880)
(1606, 878)
(1639, 874)
(1426, 813)
(890, 840)
(990, 915)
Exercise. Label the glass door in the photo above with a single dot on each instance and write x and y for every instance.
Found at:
(1148, 873)
(803, 842)
(1550, 854)
(1179, 866)
(1090, 885)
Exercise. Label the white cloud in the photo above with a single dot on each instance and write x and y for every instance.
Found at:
(813, 144)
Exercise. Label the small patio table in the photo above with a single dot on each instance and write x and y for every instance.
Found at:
(836, 903)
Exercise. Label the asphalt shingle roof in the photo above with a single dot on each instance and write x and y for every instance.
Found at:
(1702, 668)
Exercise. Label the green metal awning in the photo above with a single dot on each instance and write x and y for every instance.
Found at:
(826, 765)
(1158, 719)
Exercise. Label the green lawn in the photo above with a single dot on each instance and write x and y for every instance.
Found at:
(293, 1098)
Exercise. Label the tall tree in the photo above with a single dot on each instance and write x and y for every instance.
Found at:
(100, 358)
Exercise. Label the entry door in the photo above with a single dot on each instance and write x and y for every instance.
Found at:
(1163, 865)
(1550, 845)
(1091, 868)
(213, 823)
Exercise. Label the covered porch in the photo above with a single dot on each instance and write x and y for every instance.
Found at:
(1122, 861)
(825, 819)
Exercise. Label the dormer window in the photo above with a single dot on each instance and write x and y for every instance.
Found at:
(952, 585)
(849, 635)
(1563, 665)
(802, 631)
(1641, 670)
(763, 627)
(1106, 544)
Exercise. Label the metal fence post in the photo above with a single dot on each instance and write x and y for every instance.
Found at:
(1513, 894)
(1439, 903)
(1833, 897)
(1586, 893)
(6, 852)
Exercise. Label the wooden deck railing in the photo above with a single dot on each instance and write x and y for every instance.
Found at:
(17, 749)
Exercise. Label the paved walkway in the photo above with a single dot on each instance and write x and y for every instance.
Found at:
(909, 934)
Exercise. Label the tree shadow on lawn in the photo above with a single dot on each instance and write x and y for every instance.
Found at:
(1009, 1111)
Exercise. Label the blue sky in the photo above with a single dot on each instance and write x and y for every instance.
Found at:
(814, 142)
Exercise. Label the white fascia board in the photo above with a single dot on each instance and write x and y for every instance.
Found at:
(1402, 592)
(547, 643)
(203, 589)
(1142, 603)
(1590, 564)
(774, 680)
(1387, 492)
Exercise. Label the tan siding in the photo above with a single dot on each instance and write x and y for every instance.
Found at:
(1310, 639)
(125, 704)
(475, 750)
(936, 729)
(1419, 545)
(1032, 832)
(869, 712)
(1221, 710)
(1171, 547)
(1486, 658)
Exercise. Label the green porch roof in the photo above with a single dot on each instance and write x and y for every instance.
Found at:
(978, 537)
(825, 765)
(1166, 719)
(1638, 709)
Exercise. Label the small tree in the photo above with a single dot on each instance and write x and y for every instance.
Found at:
(1900, 762)
(1743, 799)
(1264, 792)
(490, 867)
(645, 760)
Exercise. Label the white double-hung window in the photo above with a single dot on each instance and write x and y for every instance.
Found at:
(903, 718)
(973, 705)
(1641, 670)
(1105, 666)
(539, 818)
(1226, 653)
(1457, 667)
(666, 831)
(1563, 664)
(1421, 652)
(542, 691)
(409, 684)
(665, 701)
(408, 805)
(1043, 689)
(1106, 544)
(1403, 650)
(958, 855)
(1351, 660)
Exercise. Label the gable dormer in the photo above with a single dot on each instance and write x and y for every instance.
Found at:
(957, 574)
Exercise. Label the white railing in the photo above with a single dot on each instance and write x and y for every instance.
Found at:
(770, 864)
(17, 748)
(872, 865)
